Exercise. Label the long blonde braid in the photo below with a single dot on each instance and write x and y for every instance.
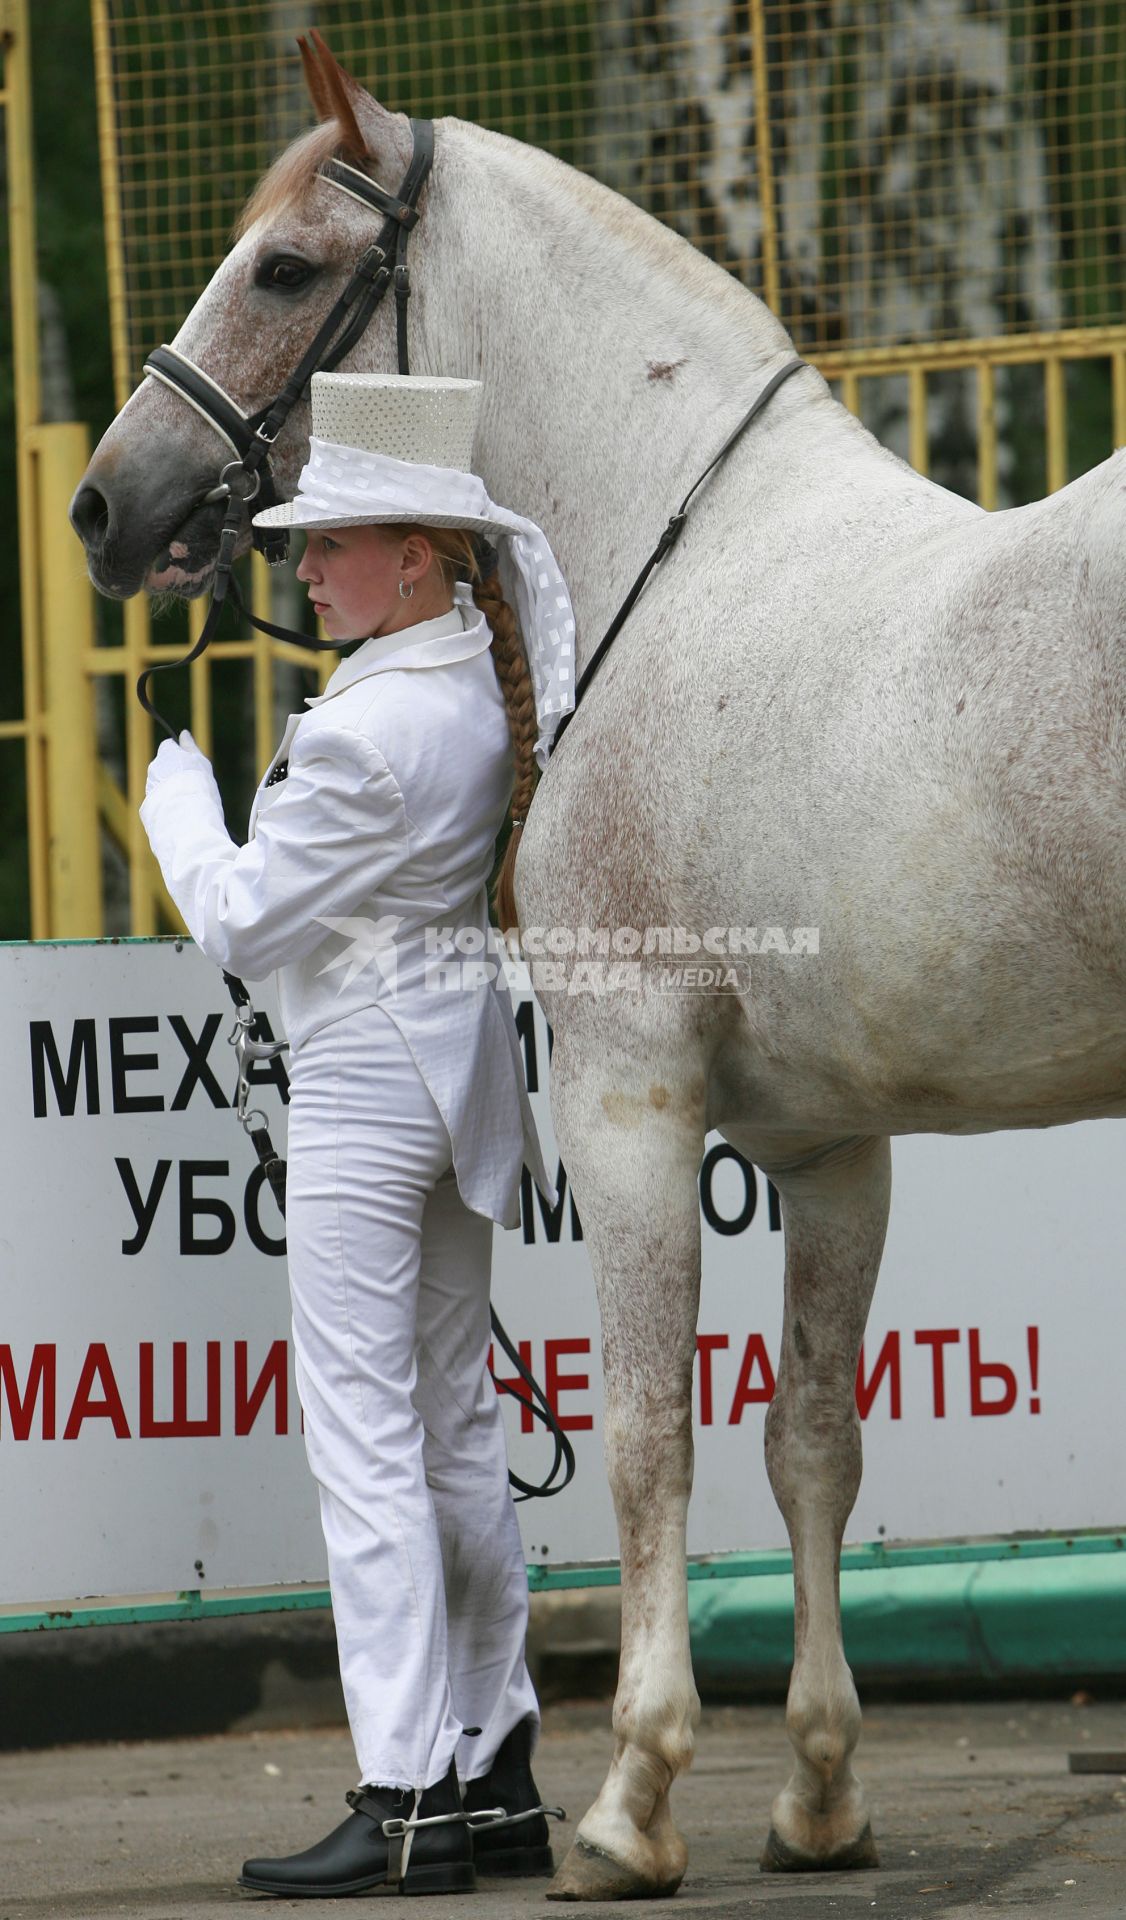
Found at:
(457, 554)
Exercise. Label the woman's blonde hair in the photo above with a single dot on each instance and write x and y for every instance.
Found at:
(459, 557)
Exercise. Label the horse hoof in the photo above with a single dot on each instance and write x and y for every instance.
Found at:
(778, 1857)
(589, 1874)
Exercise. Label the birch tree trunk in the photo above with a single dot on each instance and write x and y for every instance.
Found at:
(909, 174)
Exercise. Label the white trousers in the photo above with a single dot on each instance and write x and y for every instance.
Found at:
(389, 1274)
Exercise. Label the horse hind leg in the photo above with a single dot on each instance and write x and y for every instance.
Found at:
(835, 1207)
(632, 1151)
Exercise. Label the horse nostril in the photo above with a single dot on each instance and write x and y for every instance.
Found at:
(90, 515)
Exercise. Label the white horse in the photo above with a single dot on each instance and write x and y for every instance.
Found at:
(848, 701)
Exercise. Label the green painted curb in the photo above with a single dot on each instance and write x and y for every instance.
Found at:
(957, 1610)
(1036, 1616)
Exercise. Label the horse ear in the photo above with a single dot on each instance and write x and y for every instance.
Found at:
(337, 96)
(314, 80)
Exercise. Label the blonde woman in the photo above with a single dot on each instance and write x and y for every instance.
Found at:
(371, 840)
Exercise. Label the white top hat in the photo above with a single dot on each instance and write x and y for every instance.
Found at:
(387, 448)
(364, 422)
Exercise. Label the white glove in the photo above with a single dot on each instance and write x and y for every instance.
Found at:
(182, 756)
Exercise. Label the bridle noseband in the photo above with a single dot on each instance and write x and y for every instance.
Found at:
(250, 437)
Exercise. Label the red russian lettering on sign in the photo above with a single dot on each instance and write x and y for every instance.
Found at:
(96, 1367)
(706, 1345)
(938, 1339)
(886, 1361)
(995, 1370)
(179, 1427)
(40, 1379)
(274, 1373)
(556, 1383)
(515, 1385)
(746, 1395)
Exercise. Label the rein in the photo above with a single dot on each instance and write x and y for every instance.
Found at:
(251, 437)
(665, 545)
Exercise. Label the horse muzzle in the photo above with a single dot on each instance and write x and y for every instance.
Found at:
(126, 552)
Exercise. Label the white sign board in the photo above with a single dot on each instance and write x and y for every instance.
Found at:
(150, 1435)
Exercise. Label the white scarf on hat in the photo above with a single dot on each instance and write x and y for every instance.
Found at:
(347, 481)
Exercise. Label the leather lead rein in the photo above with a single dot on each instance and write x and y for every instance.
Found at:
(665, 545)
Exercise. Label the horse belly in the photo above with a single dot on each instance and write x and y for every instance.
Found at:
(908, 1021)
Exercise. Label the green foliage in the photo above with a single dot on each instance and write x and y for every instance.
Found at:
(72, 261)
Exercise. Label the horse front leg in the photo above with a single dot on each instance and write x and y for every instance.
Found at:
(835, 1208)
(631, 1141)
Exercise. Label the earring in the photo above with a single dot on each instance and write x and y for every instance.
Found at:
(406, 592)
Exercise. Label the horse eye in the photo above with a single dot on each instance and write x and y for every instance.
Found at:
(285, 273)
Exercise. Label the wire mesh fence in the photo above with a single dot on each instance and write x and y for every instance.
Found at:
(881, 170)
(930, 193)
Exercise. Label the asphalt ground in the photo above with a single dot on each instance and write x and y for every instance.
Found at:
(973, 1807)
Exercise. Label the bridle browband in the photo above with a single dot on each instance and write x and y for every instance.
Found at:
(251, 437)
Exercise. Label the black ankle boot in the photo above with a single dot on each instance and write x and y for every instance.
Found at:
(520, 1846)
(358, 1854)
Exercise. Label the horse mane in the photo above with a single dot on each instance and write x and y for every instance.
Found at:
(289, 181)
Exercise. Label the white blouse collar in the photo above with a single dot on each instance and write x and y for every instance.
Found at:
(456, 635)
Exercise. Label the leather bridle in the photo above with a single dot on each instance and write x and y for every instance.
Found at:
(251, 437)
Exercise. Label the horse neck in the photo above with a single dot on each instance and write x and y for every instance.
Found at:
(614, 357)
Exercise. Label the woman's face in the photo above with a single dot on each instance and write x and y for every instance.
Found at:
(353, 576)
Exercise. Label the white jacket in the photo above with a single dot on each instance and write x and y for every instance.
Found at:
(374, 827)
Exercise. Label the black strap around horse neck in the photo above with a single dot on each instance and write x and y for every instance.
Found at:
(251, 436)
(665, 545)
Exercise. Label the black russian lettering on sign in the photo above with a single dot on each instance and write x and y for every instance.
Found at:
(121, 1064)
(252, 1200)
(82, 1061)
(195, 1206)
(552, 1217)
(742, 1220)
(198, 1070)
(526, 1029)
(266, 1072)
(144, 1205)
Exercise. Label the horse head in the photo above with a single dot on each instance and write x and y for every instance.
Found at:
(141, 509)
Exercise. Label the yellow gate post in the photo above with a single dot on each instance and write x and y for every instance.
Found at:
(61, 452)
(25, 357)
